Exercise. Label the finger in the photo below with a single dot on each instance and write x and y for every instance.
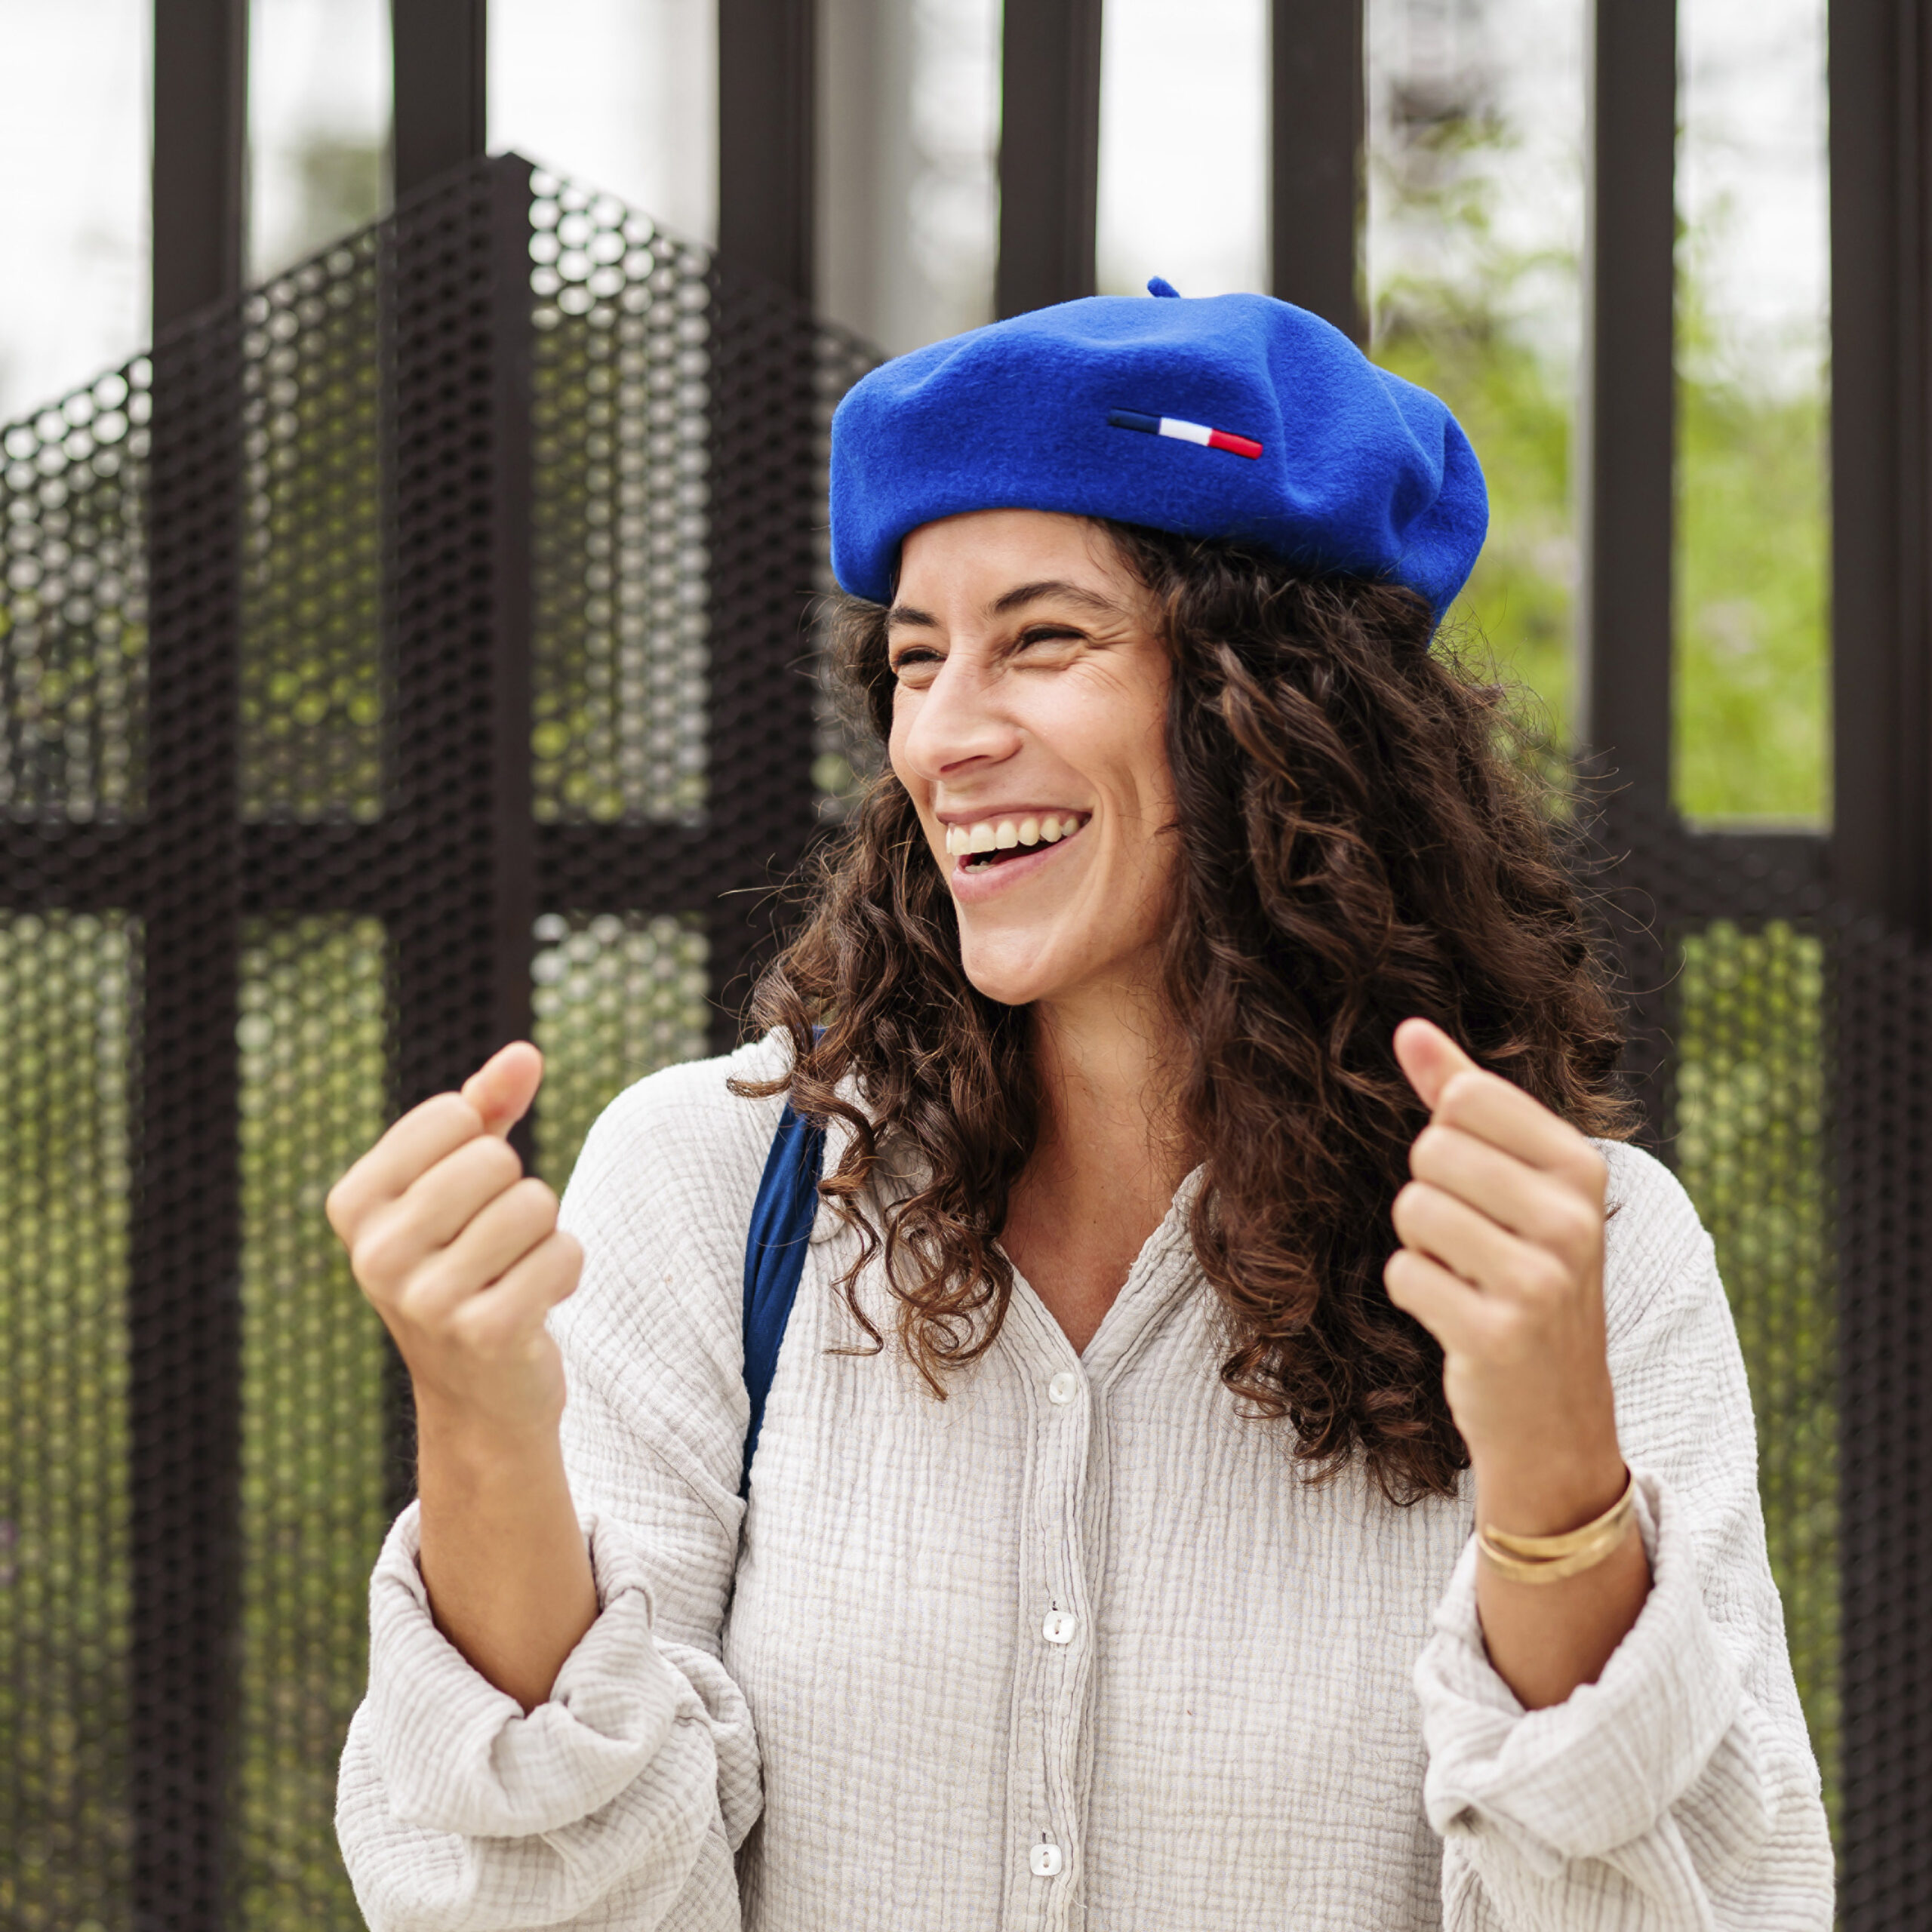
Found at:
(1495, 1110)
(438, 1205)
(513, 1309)
(502, 1087)
(1540, 1207)
(493, 1244)
(1429, 1058)
(1446, 1306)
(1474, 1247)
(414, 1145)
(444, 1202)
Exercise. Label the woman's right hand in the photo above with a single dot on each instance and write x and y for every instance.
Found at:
(459, 1253)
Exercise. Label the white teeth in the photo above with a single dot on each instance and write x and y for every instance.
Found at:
(1004, 835)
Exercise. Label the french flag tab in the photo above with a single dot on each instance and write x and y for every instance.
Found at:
(1185, 432)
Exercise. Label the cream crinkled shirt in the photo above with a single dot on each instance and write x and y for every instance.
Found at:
(1079, 1617)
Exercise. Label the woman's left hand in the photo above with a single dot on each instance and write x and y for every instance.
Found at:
(1502, 1260)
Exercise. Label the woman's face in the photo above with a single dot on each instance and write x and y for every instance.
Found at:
(1028, 726)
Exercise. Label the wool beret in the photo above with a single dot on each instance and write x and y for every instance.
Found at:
(1229, 416)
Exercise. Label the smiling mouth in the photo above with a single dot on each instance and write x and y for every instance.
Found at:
(992, 841)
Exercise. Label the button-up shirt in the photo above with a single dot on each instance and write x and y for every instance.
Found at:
(1077, 1646)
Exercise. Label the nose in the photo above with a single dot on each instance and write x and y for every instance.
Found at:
(957, 721)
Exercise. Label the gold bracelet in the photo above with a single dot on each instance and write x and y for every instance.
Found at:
(1550, 1559)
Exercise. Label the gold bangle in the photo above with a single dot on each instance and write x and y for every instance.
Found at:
(1550, 1559)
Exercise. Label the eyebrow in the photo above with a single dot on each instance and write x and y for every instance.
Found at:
(909, 617)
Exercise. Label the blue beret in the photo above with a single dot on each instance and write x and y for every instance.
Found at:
(1232, 416)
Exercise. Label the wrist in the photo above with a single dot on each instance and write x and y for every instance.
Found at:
(1548, 1495)
(456, 1448)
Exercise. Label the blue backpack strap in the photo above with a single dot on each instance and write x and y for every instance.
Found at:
(782, 1220)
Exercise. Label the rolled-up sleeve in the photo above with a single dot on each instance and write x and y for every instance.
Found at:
(1680, 1789)
(622, 1800)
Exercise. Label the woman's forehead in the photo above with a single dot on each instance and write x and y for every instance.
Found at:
(983, 556)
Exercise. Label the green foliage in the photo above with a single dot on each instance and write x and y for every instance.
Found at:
(1463, 323)
(1749, 1122)
(1752, 510)
(314, 1093)
(615, 998)
(67, 986)
(1752, 656)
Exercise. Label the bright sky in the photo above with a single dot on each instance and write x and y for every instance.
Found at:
(318, 73)
(73, 215)
(1183, 145)
(620, 94)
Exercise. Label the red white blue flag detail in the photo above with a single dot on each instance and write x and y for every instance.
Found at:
(1185, 432)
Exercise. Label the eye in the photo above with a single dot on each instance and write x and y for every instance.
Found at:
(1049, 634)
(915, 661)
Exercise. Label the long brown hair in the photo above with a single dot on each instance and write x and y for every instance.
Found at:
(1356, 845)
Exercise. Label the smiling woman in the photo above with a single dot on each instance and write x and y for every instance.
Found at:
(1251, 1446)
(1140, 981)
(1039, 640)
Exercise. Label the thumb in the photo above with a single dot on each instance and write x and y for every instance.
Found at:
(502, 1087)
(1428, 1057)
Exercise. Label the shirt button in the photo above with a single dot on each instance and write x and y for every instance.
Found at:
(1064, 1386)
(1059, 1627)
(1046, 1861)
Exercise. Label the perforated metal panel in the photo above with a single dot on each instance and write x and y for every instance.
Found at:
(412, 655)
(313, 1033)
(621, 382)
(1748, 1136)
(68, 989)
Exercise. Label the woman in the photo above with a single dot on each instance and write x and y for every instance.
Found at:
(1141, 1533)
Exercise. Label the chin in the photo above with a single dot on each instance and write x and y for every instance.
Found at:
(998, 976)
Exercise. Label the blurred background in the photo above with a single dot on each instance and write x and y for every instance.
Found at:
(672, 331)
(1472, 246)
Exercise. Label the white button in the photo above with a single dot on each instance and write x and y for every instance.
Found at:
(1058, 1627)
(1046, 1861)
(1064, 1386)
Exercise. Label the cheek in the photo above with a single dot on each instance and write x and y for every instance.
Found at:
(895, 747)
(1144, 781)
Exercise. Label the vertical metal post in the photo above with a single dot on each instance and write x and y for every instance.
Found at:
(1881, 384)
(1626, 451)
(460, 903)
(766, 151)
(440, 48)
(1049, 153)
(764, 558)
(183, 1316)
(1315, 158)
(201, 133)
(511, 823)
(1881, 70)
(1627, 431)
(762, 734)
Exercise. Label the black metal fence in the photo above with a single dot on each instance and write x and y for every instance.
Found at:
(410, 654)
(407, 656)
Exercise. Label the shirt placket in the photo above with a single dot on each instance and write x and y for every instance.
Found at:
(1054, 1649)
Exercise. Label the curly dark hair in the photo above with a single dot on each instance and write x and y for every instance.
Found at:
(1357, 844)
